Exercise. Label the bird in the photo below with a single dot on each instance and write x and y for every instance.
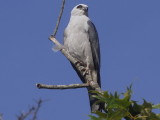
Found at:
(82, 41)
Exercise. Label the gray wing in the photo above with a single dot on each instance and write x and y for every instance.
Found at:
(94, 42)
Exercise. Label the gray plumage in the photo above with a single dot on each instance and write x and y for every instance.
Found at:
(81, 40)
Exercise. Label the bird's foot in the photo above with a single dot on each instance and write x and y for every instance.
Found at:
(80, 63)
(85, 71)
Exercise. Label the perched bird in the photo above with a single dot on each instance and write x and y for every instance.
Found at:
(81, 40)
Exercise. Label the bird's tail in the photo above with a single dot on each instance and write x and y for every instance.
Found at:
(93, 105)
(93, 101)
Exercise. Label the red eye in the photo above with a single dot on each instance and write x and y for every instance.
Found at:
(79, 6)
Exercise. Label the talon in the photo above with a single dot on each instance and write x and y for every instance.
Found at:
(78, 62)
(85, 71)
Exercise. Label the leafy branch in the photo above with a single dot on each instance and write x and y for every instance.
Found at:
(120, 106)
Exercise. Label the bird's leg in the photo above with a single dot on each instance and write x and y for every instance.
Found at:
(86, 70)
(85, 67)
(82, 65)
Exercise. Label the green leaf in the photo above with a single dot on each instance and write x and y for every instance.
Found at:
(158, 116)
(157, 106)
(100, 114)
(122, 107)
(93, 117)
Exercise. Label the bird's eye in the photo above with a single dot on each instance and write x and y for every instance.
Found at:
(79, 6)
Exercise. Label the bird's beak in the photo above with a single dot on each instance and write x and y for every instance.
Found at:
(85, 9)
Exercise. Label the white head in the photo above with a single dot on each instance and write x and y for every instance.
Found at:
(79, 10)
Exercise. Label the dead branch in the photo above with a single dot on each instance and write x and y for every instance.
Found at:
(32, 111)
(59, 18)
(23, 116)
(39, 103)
(71, 86)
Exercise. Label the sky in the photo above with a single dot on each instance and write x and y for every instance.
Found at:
(129, 33)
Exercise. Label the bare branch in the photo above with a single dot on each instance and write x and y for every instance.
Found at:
(23, 116)
(71, 86)
(59, 18)
(39, 103)
(33, 111)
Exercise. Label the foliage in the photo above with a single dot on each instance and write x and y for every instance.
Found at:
(120, 106)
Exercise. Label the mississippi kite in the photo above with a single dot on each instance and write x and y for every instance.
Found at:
(81, 40)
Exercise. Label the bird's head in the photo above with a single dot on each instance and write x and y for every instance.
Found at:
(79, 10)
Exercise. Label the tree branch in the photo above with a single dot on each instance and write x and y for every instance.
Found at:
(23, 116)
(33, 111)
(59, 18)
(71, 86)
(39, 103)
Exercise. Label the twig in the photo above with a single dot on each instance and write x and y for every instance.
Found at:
(71, 86)
(23, 116)
(39, 103)
(32, 111)
(59, 18)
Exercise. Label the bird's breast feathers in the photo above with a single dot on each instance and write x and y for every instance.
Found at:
(78, 23)
(77, 38)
